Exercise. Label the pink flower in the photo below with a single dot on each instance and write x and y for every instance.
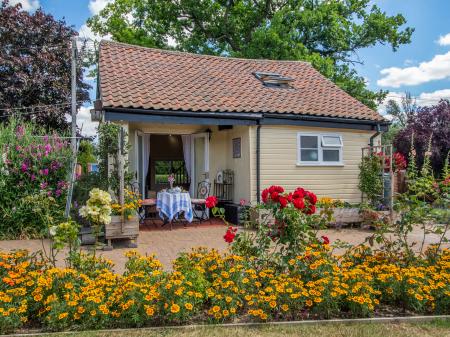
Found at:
(44, 172)
(242, 202)
(24, 167)
(43, 185)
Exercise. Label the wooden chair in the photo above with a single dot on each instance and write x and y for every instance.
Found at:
(199, 203)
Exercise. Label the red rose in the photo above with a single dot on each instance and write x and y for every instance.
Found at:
(299, 192)
(230, 234)
(211, 201)
(283, 201)
(274, 196)
(274, 188)
(312, 198)
(311, 210)
(325, 240)
(264, 195)
(298, 203)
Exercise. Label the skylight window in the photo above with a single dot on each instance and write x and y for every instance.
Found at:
(274, 80)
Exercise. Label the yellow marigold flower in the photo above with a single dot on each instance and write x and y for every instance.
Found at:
(188, 306)
(93, 313)
(263, 316)
(38, 297)
(273, 304)
(228, 299)
(245, 280)
(149, 311)
(233, 310)
(419, 297)
(215, 308)
(317, 300)
(284, 307)
(63, 315)
(309, 303)
(175, 308)
(225, 313)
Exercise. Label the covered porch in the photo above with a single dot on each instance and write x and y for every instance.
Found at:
(218, 152)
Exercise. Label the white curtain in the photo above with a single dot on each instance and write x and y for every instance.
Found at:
(187, 153)
(146, 155)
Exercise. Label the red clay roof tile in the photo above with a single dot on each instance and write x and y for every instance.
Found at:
(146, 78)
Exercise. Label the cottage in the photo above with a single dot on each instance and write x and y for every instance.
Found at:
(209, 118)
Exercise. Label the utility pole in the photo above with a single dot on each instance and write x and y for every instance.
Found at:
(74, 145)
(74, 95)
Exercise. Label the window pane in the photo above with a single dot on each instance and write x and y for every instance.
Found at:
(309, 155)
(308, 142)
(331, 141)
(331, 155)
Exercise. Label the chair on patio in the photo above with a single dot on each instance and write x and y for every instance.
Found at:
(149, 208)
(199, 203)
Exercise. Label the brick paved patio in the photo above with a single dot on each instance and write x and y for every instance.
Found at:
(167, 244)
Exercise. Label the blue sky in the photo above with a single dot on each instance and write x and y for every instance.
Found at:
(422, 67)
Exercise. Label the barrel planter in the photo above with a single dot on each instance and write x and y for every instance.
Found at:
(116, 230)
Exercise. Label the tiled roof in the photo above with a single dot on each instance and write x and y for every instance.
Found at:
(146, 78)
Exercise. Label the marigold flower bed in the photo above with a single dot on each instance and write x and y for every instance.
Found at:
(206, 286)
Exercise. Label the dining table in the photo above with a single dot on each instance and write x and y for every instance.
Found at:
(172, 204)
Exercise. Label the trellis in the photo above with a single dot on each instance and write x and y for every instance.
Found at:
(385, 153)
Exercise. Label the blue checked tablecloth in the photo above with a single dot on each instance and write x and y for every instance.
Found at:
(171, 204)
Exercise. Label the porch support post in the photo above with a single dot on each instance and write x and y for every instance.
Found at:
(258, 163)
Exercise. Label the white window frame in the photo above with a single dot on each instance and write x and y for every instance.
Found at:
(320, 161)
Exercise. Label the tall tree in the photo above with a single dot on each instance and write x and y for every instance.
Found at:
(328, 33)
(35, 68)
(402, 113)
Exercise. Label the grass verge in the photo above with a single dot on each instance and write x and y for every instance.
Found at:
(438, 328)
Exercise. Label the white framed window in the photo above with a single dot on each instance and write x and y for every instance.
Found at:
(319, 149)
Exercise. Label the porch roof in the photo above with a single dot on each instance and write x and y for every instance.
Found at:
(133, 78)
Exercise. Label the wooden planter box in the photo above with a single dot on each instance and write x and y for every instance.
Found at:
(346, 216)
(116, 230)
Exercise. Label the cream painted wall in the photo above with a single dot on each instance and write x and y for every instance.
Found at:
(278, 158)
(279, 163)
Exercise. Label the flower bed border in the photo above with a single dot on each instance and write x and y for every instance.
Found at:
(377, 320)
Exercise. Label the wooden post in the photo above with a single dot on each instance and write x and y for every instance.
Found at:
(121, 175)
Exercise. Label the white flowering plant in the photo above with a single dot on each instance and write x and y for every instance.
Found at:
(97, 211)
(98, 207)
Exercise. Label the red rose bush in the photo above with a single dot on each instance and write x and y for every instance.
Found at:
(290, 224)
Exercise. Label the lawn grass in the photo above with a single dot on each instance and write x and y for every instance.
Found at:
(439, 328)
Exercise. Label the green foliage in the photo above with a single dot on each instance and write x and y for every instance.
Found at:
(107, 152)
(371, 179)
(34, 167)
(326, 33)
(86, 155)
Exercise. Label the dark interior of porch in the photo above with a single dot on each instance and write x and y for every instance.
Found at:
(166, 157)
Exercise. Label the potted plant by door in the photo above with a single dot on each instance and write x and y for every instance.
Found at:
(124, 220)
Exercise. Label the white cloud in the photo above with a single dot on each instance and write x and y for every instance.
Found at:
(444, 40)
(84, 122)
(424, 99)
(95, 6)
(436, 69)
(431, 98)
(27, 5)
(86, 32)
